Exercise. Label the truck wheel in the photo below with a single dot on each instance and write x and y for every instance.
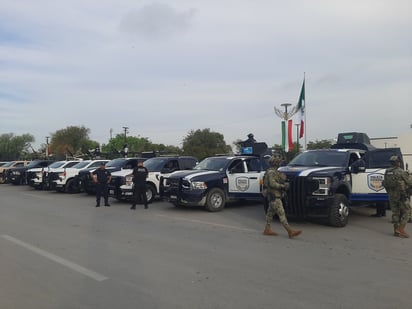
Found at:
(150, 193)
(71, 187)
(215, 200)
(339, 211)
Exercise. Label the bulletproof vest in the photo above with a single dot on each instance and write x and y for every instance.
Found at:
(391, 179)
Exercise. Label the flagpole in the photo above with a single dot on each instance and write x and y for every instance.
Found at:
(304, 115)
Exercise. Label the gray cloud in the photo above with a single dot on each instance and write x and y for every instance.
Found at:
(156, 21)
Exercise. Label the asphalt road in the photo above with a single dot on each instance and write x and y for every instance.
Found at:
(59, 251)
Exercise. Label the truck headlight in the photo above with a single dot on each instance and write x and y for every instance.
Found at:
(198, 185)
(324, 185)
(129, 180)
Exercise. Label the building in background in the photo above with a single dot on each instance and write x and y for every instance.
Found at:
(403, 141)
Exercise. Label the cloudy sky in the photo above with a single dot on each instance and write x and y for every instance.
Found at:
(163, 68)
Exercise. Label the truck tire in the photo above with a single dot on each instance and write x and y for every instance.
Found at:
(71, 187)
(339, 211)
(215, 200)
(150, 193)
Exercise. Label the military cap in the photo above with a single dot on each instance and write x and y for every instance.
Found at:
(394, 159)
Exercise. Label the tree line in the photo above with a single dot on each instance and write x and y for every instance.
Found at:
(74, 141)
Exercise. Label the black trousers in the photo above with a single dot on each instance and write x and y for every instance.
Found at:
(139, 195)
(102, 190)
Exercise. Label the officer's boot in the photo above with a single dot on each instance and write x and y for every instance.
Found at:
(268, 231)
(292, 233)
(395, 231)
(402, 232)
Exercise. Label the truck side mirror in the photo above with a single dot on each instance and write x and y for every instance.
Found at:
(358, 166)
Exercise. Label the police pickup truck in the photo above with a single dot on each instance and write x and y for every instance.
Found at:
(63, 180)
(121, 186)
(326, 183)
(215, 181)
(39, 179)
(85, 182)
(18, 175)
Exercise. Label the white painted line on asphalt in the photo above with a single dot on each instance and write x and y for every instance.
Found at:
(38, 196)
(57, 259)
(208, 223)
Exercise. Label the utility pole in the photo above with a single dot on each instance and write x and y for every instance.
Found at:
(47, 147)
(125, 133)
(125, 148)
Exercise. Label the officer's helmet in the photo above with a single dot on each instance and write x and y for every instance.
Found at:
(394, 159)
(274, 161)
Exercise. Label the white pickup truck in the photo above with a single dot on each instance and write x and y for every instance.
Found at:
(38, 177)
(63, 180)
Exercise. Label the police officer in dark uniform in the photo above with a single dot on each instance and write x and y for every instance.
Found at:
(139, 185)
(102, 177)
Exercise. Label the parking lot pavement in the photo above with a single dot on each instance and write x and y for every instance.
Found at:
(59, 251)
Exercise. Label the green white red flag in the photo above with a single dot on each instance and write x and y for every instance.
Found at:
(287, 142)
(301, 110)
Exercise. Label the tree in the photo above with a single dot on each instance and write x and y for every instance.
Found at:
(136, 145)
(322, 144)
(204, 143)
(71, 141)
(15, 146)
(286, 156)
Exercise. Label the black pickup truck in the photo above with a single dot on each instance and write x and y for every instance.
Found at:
(85, 182)
(326, 183)
(215, 181)
(17, 175)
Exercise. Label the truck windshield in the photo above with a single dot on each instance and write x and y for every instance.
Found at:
(320, 158)
(81, 164)
(57, 164)
(213, 164)
(155, 164)
(119, 162)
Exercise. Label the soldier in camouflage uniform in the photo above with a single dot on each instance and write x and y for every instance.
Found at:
(397, 184)
(274, 187)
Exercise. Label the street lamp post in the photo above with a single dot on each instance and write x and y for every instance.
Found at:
(297, 136)
(285, 115)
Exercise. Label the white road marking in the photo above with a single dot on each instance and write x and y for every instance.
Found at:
(39, 196)
(208, 223)
(57, 259)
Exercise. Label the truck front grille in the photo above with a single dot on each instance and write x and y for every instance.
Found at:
(295, 200)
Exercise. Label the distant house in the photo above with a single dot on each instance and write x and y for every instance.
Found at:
(404, 142)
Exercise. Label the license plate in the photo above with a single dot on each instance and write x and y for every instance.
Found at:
(173, 197)
(128, 193)
(111, 191)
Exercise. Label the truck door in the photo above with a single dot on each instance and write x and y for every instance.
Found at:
(367, 185)
(244, 178)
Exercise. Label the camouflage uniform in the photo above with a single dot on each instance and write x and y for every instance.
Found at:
(274, 186)
(398, 196)
(276, 182)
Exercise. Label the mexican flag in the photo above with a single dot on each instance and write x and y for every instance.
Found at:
(301, 110)
(287, 142)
